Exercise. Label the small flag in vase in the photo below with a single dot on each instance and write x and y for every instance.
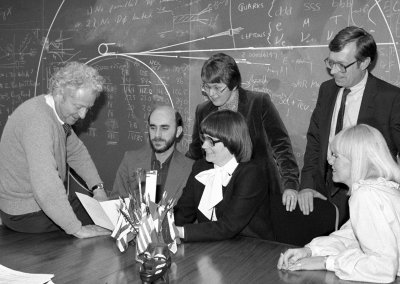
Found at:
(169, 233)
(147, 233)
(146, 221)
(124, 228)
(121, 234)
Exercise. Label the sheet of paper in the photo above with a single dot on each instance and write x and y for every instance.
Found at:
(105, 213)
(151, 185)
(96, 211)
(10, 276)
(111, 208)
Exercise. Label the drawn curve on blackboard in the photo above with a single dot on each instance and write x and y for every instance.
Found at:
(177, 50)
(390, 32)
(45, 40)
(138, 60)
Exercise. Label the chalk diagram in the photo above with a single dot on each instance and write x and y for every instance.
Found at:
(289, 73)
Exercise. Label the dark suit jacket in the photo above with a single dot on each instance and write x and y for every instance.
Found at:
(380, 108)
(244, 209)
(268, 134)
(178, 172)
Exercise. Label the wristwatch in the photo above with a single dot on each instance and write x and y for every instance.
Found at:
(97, 186)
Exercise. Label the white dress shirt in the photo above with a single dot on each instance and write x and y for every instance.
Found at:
(50, 101)
(353, 104)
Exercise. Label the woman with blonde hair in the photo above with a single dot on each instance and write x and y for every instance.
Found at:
(367, 246)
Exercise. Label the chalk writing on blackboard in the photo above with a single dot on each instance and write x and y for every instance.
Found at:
(151, 52)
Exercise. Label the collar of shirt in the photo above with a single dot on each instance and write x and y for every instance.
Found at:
(229, 167)
(232, 103)
(50, 102)
(156, 164)
(361, 85)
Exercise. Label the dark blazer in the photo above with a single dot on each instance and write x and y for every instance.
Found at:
(244, 209)
(380, 108)
(268, 134)
(178, 172)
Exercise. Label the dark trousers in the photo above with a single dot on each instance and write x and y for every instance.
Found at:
(298, 229)
(39, 222)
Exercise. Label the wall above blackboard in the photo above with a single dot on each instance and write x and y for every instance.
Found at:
(151, 52)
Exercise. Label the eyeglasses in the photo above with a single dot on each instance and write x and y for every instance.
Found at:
(342, 68)
(207, 88)
(210, 141)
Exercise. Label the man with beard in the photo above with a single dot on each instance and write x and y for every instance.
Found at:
(173, 168)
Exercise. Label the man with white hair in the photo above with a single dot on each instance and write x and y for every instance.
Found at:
(37, 144)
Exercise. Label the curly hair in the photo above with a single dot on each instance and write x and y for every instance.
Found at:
(76, 75)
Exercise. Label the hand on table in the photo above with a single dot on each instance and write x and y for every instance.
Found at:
(305, 198)
(291, 256)
(300, 259)
(90, 231)
(309, 263)
(289, 199)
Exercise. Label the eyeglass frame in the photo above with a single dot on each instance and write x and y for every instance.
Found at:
(339, 65)
(204, 86)
(210, 141)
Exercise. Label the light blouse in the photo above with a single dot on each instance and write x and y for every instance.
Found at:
(367, 246)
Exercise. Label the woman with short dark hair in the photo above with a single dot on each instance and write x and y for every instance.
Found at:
(225, 192)
(232, 131)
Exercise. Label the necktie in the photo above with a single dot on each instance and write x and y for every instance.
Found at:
(339, 123)
(67, 129)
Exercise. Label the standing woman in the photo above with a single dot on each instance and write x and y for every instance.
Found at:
(271, 144)
(367, 247)
(225, 193)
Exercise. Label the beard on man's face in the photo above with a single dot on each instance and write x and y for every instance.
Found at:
(167, 144)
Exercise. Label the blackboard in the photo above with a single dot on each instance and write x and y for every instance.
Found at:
(151, 52)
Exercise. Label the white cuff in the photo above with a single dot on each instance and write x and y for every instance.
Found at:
(330, 263)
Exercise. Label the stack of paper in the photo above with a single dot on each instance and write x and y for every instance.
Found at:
(9, 276)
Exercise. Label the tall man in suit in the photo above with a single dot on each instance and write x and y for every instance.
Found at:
(366, 99)
(173, 168)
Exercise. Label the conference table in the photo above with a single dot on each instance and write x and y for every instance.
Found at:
(98, 260)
